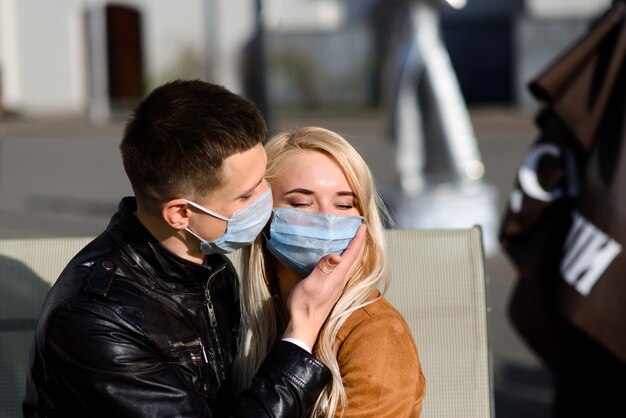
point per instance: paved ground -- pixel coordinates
(64, 177)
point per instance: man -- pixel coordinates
(144, 321)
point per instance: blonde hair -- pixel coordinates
(263, 323)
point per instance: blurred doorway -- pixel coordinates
(124, 55)
(115, 59)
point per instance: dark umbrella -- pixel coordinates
(565, 227)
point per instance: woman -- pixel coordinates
(322, 191)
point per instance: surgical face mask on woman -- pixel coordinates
(243, 226)
(300, 238)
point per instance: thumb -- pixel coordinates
(328, 263)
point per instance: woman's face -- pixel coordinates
(312, 181)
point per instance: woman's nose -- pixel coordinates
(326, 209)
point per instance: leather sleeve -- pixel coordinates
(112, 370)
(381, 371)
(287, 384)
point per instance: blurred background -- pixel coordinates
(71, 70)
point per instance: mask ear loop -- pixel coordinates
(208, 211)
(194, 234)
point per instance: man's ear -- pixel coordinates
(175, 212)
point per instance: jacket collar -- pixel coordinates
(155, 259)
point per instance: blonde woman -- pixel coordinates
(323, 191)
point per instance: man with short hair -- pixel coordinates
(144, 321)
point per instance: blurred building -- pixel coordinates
(78, 56)
(496, 46)
(548, 28)
(94, 56)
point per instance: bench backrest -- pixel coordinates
(438, 283)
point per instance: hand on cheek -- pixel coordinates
(312, 299)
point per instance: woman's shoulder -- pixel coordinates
(379, 363)
(379, 315)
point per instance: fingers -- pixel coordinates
(312, 299)
(347, 262)
(328, 263)
(357, 243)
(356, 260)
(351, 257)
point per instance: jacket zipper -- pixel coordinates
(208, 303)
(192, 344)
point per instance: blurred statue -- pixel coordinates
(434, 138)
(437, 161)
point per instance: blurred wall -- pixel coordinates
(498, 46)
(42, 55)
(548, 28)
(481, 42)
(566, 8)
(318, 52)
(52, 55)
(313, 68)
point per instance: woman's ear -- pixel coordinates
(175, 212)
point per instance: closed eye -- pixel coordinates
(299, 204)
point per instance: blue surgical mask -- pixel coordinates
(299, 238)
(243, 226)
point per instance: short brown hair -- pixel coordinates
(179, 135)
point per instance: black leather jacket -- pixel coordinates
(132, 330)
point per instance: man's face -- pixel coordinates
(242, 182)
